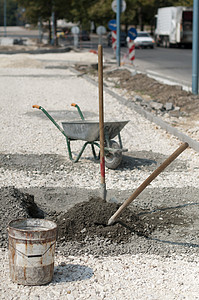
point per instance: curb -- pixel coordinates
(149, 116)
(38, 51)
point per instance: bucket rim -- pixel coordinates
(11, 223)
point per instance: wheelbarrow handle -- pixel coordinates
(79, 110)
(36, 106)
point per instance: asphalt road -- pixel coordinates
(173, 64)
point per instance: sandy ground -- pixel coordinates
(34, 160)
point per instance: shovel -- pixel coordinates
(147, 182)
(101, 121)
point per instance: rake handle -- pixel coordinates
(148, 181)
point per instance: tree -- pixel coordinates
(36, 10)
(11, 15)
(101, 12)
(137, 13)
(188, 3)
(80, 12)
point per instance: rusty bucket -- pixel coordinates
(31, 250)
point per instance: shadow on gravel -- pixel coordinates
(148, 160)
(169, 208)
(184, 244)
(130, 162)
(71, 272)
(44, 163)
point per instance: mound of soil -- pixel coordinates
(84, 226)
(90, 218)
(143, 85)
(15, 205)
(85, 219)
(162, 93)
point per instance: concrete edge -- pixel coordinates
(38, 51)
(149, 116)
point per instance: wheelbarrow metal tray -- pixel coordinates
(89, 130)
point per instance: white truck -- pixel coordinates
(174, 26)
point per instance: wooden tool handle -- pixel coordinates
(101, 113)
(148, 181)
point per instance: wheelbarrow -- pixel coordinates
(89, 132)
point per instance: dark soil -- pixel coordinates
(90, 219)
(87, 221)
(143, 85)
(15, 205)
(161, 93)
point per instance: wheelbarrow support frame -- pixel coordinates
(69, 140)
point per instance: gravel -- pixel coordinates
(35, 170)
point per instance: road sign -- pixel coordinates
(101, 30)
(114, 40)
(114, 6)
(131, 46)
(112, 25)
(132, 33)
(75, 30)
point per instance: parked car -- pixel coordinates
(144, 40)
(60, 34)
(84, 35)
(123, 41)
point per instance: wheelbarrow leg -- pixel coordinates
(97, 157)
(120, 140)
(80, 153)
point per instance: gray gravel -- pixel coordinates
(34, 159)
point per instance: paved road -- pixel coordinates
(174, 64)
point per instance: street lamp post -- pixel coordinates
(195, 48)
(53, 29)
(5, 33)
(118, 31)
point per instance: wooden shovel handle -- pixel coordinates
(148, 181)
(101, 113)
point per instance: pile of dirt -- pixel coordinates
(148, 88)
(90, 218)
(86, 221)
(15, 205)
(162, 93)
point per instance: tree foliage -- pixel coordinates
(137, 13)
(11, 12)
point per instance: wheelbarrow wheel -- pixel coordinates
(113, 160)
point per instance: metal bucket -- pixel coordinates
(31, 250)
